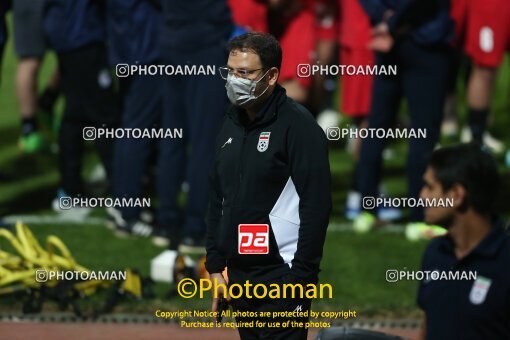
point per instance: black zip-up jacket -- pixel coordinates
(284, 182)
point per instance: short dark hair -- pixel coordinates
(264, 45)
(471, 166)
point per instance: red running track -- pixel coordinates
(99, 331)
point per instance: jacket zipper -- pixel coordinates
(241, 163)
(241, 160)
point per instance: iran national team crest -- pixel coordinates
(263, 141)
(479, 290)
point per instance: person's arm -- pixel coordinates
(399, 21)
(215, 261)
(309, 168)
(409, 13)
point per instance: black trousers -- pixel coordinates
(90, 102)
(267, 304)
(422, 79)
(141, 108)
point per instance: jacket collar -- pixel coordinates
(267, 113)
(488, 246)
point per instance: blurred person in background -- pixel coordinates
(476, 242)
(30, 46)
(450, 124)
(355, 35)
(487, 40)
(326, 48)
(133, 35)
(193, 33)
(76, 31)
(292, 22)
(356, 91)
(415, 36)
(461, 66)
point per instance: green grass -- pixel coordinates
(354, 265)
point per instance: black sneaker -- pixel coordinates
(192, 245)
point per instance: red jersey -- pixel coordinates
(251, 14)
(354, 24)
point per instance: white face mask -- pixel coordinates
(241, 92)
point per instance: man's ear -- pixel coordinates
(459, 195)
(273, 75)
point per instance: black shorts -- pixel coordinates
(87, 86)
(272, 305)
(29, 41)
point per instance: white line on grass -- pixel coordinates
(67, 219)
(62, 219)
(347, 226)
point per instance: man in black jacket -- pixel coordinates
(270, 186)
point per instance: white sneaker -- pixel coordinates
(416, 231)
(449, 128)
(62, 204)
(114, 218)
(494, 144)
(328, 118)
(98, 174)
(72, 213)
(141, 229)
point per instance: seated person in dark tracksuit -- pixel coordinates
(465, 307)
